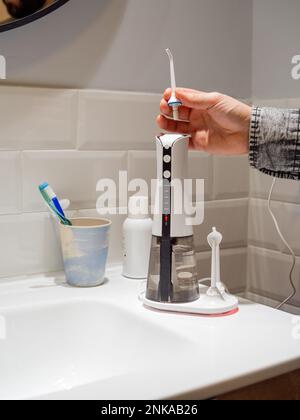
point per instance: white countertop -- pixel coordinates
(213, 355)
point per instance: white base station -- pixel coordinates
(206, 305)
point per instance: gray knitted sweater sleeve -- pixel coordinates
(275, 142)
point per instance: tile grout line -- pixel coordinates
(78, 121)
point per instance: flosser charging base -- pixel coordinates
(213, 300)
(205, 305)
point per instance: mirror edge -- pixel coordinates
(31, 18)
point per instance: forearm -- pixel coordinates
(275, 142)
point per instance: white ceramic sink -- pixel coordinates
(57, 347)
(58, 342)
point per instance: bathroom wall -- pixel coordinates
(276, 35)
(275, 41)
(119, 45)
(72, 136)
(71, 139)
(269, 261)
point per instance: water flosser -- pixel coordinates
(172, 278)
(173, 273)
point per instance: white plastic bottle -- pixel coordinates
(137, 237)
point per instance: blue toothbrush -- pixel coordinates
(52, 201)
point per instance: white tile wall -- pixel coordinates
(268, 274)
(231, 177)
(10, 235)
(29, 244)
(72, 139)
(10, 183)
(71, 143)
(201, 167)
(262, 232)
(233, 267)
(73, 174)
(142, 165)
(291, 226)
(230, 217)
(269, 262)
(114, 121)
(37, 118)
(285, 190)
(277, 103)
(262, 300)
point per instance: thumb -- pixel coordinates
(195, 99)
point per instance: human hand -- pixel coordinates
(218, 124)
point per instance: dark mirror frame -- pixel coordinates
(31, 18)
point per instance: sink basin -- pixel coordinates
(58, 342)
(57, 347)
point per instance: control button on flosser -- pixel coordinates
(167, 159)
(167, 174)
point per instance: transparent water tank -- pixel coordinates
(183, 278)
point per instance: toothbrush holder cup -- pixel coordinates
(85, 250)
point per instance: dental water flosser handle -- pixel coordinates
(170, 202)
